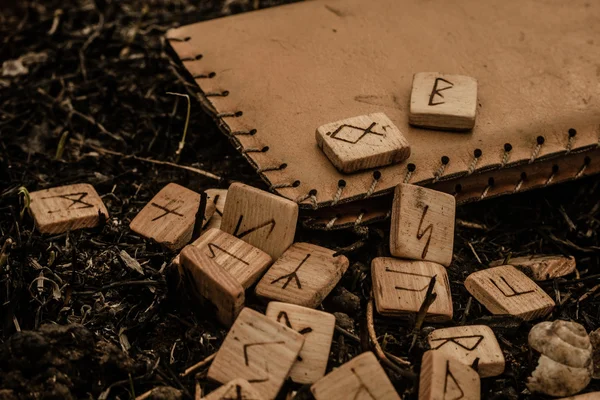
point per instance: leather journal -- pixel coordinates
(270, 78)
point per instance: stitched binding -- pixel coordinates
(506, 155)
(285, 185)
(536, 150)
(376, 177)
(551, 177)
(255, 150)
(457, 189)
(410, 168)
(235, 114)
(476, 154)
(251, 132)
(586, 162)
(224, 93)
(267, 169)
(313, 198)
(438, 174)
(487, 188)
(520, 183)
(210, 75)
(572, 133)
(331, 223)
(338, 194)
(360, 217)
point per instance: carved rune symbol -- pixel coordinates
(74, 198)
(292, 275)
(421, 233)
(514, 292)
(270, 223)
(283, 314)
(387, 269)
(362, 386)
(466, 342)
(236, 393)
(212, 246)
(365, 131)
(436, 91)
(451, 385)
(265, 367)
(166, 210)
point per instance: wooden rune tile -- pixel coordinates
(444, 378)
(506, 290)
(237, 389)
(361, 378)
(170, 216)
(442, 101)
(468, 343)
(262, 219)
(66, 208)
(362, 142)
(317, 328)
(422, 224)
(400, 286)
(259, 350)
(244, 262)
(303, 275)
(541, 267)
(209, 281)
(216, 197)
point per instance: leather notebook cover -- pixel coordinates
(271, 77)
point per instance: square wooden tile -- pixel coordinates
(361, 378)
(262, 219)
(400, 286)
(170, 216)
(210, 281)
(422, 224)
(541, 267)
(303, 275)
(237, 389)
(443, 378)
(259, 350)
(442, 101)
(216, 197)
(66, 208)
(506, 290)
(244, 262)
(362, 142)
(467, 343)
(317, 328)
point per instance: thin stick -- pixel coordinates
(198, 365)
(149, 160)
(187, 122)
(371, 329)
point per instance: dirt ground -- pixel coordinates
(85, 100)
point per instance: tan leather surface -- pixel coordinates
(288, 70)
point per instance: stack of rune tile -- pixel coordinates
(248, 242)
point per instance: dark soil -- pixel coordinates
(76, 322)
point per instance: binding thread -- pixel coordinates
(520, 183)
(438, 174)
(410, 168)
(338, 193)
(536, 150)
(376, 177)
(476, 154)
(572, 133)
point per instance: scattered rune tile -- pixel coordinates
(443, 377)
(170, 216)
(362, 142)
(541, 267)
(216, 197)
(244, 262)
(262, 219)
(506, 290)
(66, 208)
(317, 328)
(303, 275)
(259, 350)
(400, 286)
(360, 378)
(442, 101)
(237, 389)
(469, 343)
(422, 224)
(208, 280)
